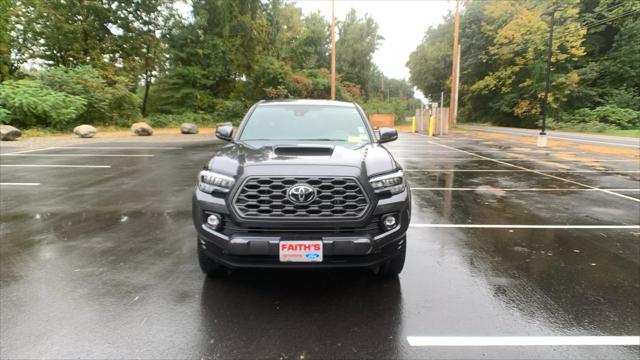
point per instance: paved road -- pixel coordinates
(607, 140)
(98, 261)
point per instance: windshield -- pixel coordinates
(306, 123)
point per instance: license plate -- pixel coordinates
(301, 251)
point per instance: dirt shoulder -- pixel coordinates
(159, 135)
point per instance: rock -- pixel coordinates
(8, 132)
(142, 129)
(188, 128)
(85, 131)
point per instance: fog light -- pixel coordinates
(390, 221)
(213, 220)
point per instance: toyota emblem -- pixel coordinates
(301, 194)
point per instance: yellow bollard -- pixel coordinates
(431, 126)
(413, 124)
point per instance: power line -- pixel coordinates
(607, 9)
(603, 21)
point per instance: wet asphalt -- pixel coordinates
(101, 262)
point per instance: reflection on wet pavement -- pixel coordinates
(101, 264)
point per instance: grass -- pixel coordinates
(614, 132)
(39, 132)
(628, 133)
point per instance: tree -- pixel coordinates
(142, 50)
(199, 70)
(312, 48)
(622, 67)
(68, 33)
(430, 63)
(357, 40)
(285, 27)
(5, 53)
(520, 31)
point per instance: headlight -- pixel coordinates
(390, 183)
(209, 182)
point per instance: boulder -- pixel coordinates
(85, 131)
(188, 128)
(8, 132)
(142, 129)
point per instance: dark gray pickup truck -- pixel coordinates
(303, 184)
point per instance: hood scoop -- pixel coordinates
(303, 150)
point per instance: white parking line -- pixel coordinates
(523, 340)
(19, 184)
(55, 166)
(28, 151)
(82, 155)
(518, 189)
(523, 226)
(120, 147)
(542, 172)
(412, 149)
(529, 159)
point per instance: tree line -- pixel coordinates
(595, 63)
(111, 62)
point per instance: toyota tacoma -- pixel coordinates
(302, 184)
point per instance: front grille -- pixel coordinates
(266, 197)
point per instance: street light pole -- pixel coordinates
(453, 99)
(542, 137)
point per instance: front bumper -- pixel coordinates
(239, 245)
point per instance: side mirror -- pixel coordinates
(387, 135)
(224, 132)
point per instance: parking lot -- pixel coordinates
(513, 252)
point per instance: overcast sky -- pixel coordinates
(402, 24)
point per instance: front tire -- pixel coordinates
(209, 266)
(393, 267)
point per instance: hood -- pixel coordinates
(294, 158)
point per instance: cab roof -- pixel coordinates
(309, 102)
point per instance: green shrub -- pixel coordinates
(230, 110)
(31, 103)
(106, 103)
(5, 115)
(609, 115)
(123, 106)
(270, 78)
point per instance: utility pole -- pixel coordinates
(333, 49)
(441, 115)
(542, 137)
(453, 99)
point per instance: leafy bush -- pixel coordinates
(106, 102)
(230, 110)
(123, 107)
(300, 86)
(609, 115)
(5, 115)
(269, 74)
(31, 103)
(580, 127)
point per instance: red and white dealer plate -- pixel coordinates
(300, 251)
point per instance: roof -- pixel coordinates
(316, 102)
